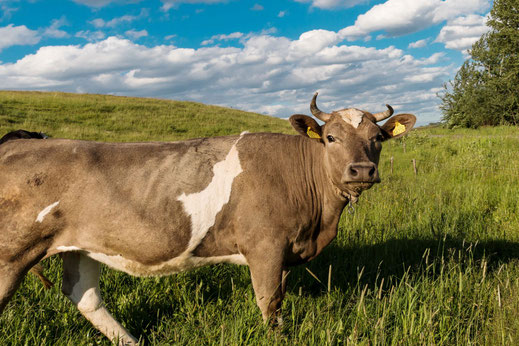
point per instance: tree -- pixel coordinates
(485, 90)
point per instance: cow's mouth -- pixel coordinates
(351, 191)
(359, 186)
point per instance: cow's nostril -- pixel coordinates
(353, 172)
(372, 171)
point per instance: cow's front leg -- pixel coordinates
(266, 272)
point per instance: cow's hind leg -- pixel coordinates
(10, 278)
(81, 286)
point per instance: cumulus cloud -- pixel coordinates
(11, 35)
(418, 44)
(281, 14)
(399, 17)
(270, 74)
(433, 59)
(331, 4)
(460, 33)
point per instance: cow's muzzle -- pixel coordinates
(361, 172)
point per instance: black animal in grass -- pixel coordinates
(22, 134)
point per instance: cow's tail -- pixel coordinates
(38, 271)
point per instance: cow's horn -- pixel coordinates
(317, 112)
(384, 115)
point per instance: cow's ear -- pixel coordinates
(306, 126)
(398, 125)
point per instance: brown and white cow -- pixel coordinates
(265, 200)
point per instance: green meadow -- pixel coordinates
(425, 258)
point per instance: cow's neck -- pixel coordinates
(326, 203)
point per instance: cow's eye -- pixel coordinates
(378, 138)
(330, 138)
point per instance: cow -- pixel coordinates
(22, 134)
(265, 200)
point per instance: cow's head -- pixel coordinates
(352, 142)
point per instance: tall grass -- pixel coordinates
(425, 259)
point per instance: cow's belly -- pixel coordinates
(185, 261)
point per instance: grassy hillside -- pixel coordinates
(425, 259)
(125, 119)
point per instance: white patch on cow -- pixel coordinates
(178, 264)
(203, 206)
(352, 116)
(67, 248)
(45, 211)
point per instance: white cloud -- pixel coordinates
(54, 29)
(101, 23)
(281, 14)
(17, 36)
(399, 17)
(98, 23)
(268, 74)
(102, 3)
(11, 35)
(452, 8)
(6, 10)
(268, 31)
(257, 7)
(460, 33)
(331, 4)
(134, 34)
(222, 37)
(90, 35)
(433, 59)
(169, 4)
(418, 44)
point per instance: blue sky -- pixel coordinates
(263, 56)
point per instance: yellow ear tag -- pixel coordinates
(399, 128)
(312, 134)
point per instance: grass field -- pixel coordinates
(425, 259)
